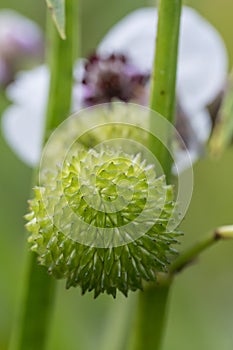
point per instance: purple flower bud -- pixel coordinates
(21, 41)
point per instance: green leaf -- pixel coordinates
(223, 132)
(57, 9)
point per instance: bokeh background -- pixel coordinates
(201, 305)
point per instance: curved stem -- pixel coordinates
(39, 293)
(187, 257)
(152, 303)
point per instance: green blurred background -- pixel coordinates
(201, 309)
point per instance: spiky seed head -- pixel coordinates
(100, 222)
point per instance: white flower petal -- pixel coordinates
(201, 124)
(200, 127)
(134, 36)
(23, 122)
(183, 161)
(77, 96)
(202, 64)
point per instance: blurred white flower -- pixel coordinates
(202, 69)
(20, 41)
(23, 122)
(202, 63)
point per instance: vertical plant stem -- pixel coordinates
(61, 58)
(33, 325)
(39, 293)
(163, 83)
(151, 318)
(152, 303)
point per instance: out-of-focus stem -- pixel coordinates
(61, 59)
(39, 293)
(187, 257)
(152, 302)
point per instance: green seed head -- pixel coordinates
(100, 222)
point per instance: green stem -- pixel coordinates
(222, 233)
(152, 303)
(118, 325)
(61, 60)
(36, 309)
(37, 303)
(151, 318)
(163, 83)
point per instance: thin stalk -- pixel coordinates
(191, 254)
(39, 294)
(152, 302)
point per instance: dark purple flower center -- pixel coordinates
(111, 77)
